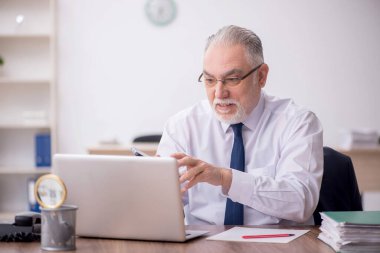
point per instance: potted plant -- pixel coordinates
(1, 64)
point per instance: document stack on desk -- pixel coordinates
(351, 231)
(359, 139)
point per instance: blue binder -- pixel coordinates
(43, 150)
(33, 204)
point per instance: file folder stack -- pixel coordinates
(360, 139)
(351, 231)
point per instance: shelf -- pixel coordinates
(25, 17)
(25, 106)
(10, 80)
(27, 94)
(26, 58)
(24, 126)
(24, 36)
(24, 171)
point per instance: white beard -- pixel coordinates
(239, 116)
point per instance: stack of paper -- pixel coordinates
(353, 231)
(359, 138)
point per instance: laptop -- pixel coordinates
(124, 197)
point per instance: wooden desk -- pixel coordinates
(304, 244)
(148, 148)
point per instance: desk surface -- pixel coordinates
(306, 243)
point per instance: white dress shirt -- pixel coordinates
(283, 162)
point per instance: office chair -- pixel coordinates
(339, 189)
(148, 138)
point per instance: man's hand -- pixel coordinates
(200, 171)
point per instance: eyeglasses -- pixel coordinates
(230, 81)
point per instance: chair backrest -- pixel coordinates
(339, 189)
(148, 138)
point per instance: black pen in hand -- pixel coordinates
(137, 152)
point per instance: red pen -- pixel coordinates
(266, 236)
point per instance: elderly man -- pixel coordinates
(250, 158)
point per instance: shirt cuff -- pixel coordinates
(241, 182)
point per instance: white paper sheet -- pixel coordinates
(235, 234)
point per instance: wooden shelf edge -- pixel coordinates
(24, 126)
(11, 80)
(30, 171)
(25, 36)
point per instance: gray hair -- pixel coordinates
(235, 35)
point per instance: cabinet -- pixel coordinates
(27, 94)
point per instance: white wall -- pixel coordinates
(120, 76)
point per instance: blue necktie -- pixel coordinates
(235, 211)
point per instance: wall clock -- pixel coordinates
(161, 12)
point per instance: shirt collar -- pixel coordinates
(253, 118)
